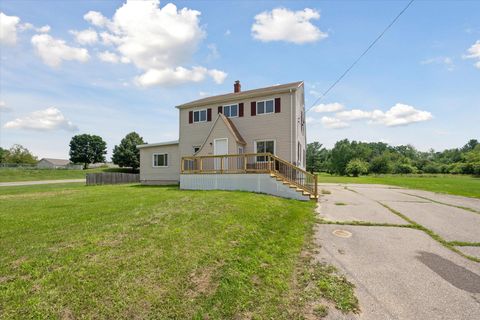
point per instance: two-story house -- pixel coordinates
(233, 133)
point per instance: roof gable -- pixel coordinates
(222, 120)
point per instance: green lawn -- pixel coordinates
(461, 185)
(27, 174)
(130, 251)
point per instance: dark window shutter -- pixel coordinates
(209, 114)
(277, 105)
(190, 117)
(240, 109)
(220, 109)
(253, 108)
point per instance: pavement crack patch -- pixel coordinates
(432, 234)
(444, 203)
(365, 224)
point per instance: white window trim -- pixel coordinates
(153, 160)
(265, 107)
(228, 105)
(262, 140)
(199, 121)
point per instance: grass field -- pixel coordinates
(127, 251)
(27, 174)
(461, 185)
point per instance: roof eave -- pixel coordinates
(241, 95)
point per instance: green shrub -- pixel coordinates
(356, 167)
(404, 168)
(381, 164)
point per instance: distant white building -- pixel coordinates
(49, 163)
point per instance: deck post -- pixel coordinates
(221, 164)
(201, 165)
(316, 185)
(182, 165)
(245, 164)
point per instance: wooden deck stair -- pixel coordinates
(278, 177)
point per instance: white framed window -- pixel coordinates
(264, 146)
(200, 116)
(231, 111)
(160, 160)
(196, 149)
(266, 106)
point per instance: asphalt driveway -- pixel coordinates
(401, 272)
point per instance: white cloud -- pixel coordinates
(400, 115)
(333, 123)
(157, 40)
(96, 18)
(29, 26)
(53, 51)
(177, 76)
(474, 53)
(85, 37)
(328, 107)
(43, 29)
(446, 61)
(8, 29)
(42, 120)
(281, 24)
(354, 114)
(228, 32)
(214, 54)
(4, 107)
(107, 56)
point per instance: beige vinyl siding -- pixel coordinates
(219, 131)
(168, 174)
(273, 126)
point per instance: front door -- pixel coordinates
(220, 147)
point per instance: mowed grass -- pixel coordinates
(461, 185)
(28, 174)
(129, 251)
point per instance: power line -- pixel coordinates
(360, 57)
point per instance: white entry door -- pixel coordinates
(220, 146)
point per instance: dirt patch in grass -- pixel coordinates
(318, 287)
(37, 195)
(202, 282)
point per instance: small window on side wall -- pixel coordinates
(264, 107)
(196, 149)
(230, 111)
(160, 160)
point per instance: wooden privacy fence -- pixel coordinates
(112, 178)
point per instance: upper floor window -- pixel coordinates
(265, 106)
(200, 116)
(231, 111)
(160, 160)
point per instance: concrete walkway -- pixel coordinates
(31, 183)
(402, 273)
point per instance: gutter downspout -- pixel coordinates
(291, 126)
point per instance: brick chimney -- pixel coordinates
(237, 87)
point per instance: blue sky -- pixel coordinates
(420, 84)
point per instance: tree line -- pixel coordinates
(85, 149)
(359, 158)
